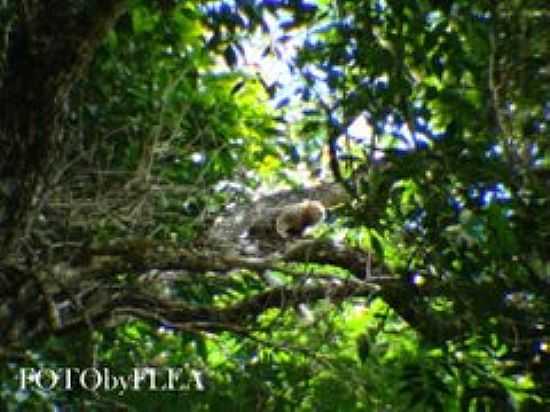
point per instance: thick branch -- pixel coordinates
(101, 295)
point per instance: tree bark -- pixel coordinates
(50, 46)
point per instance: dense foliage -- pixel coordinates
(433, 115)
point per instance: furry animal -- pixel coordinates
(294, 219)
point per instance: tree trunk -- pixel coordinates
(50, 46)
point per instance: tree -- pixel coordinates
(127, 208)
